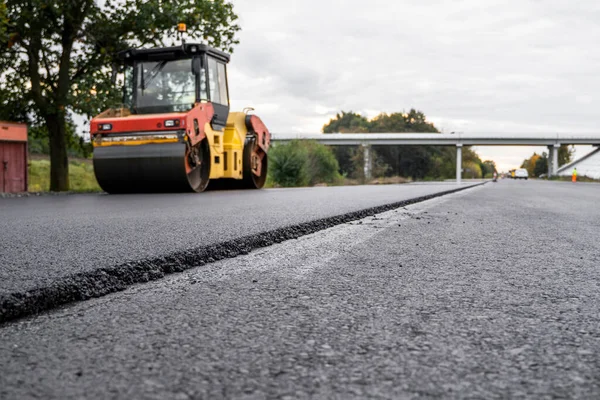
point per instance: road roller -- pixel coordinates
(174, 131)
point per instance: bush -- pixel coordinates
(38, 145)
(302, 163)
(471, 170)
(288, 165)
(322, 165)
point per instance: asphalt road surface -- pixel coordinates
(56, 249)
(491, 292)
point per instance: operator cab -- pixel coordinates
(174, 79)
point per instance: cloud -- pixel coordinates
(474, 66)
(462, 60)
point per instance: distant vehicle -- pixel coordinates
(521, 173)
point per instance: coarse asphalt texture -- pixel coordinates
(56, 250)
(492, 292)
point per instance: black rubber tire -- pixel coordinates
(199, 178)
(251, 181)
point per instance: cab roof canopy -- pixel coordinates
(186, 50)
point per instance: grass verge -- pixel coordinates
(81, 176)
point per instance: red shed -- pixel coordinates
(13, 157)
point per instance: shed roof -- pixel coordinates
(13, 131)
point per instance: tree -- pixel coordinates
(488, 167)
(541, 165)
(471, 163)
(472, 170)
(565, 154)
(76, 146)
(3, 21)
(538, 164)
(530, 163)
(57, 57)
(415, 161)
(347, 122)
(413, 121)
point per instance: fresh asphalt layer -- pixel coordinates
(58, 249)
(492, 292)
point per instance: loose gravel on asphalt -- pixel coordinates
(488, 293)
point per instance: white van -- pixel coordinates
(521, 174)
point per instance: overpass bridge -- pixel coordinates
(551, 140)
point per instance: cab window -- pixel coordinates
(223, 83)
(217, 82)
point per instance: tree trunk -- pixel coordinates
(59, 161)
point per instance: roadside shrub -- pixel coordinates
(302, 163)
(322, 165)
(471, 170)
(287, 165)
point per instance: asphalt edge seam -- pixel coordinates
(102, 281)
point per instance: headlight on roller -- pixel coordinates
(171, 123)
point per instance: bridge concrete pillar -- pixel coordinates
(458, 163)
(549, 172)
(555, 159)
(368, 163)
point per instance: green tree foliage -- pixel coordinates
(541, 165)
(471, 164)
(302, 163)
(57, 57)
(357, 162)
(413, 121)
(350, 122)
(347, 122)
(3, 22)
(488, 167)
(471, 170)
(565, 154)
(322, 166)
(417, 162)
(350, 160)
(347, 156)
(538, 164)
(530, 163)
(76, 145)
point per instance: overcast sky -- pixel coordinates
(470, 66)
